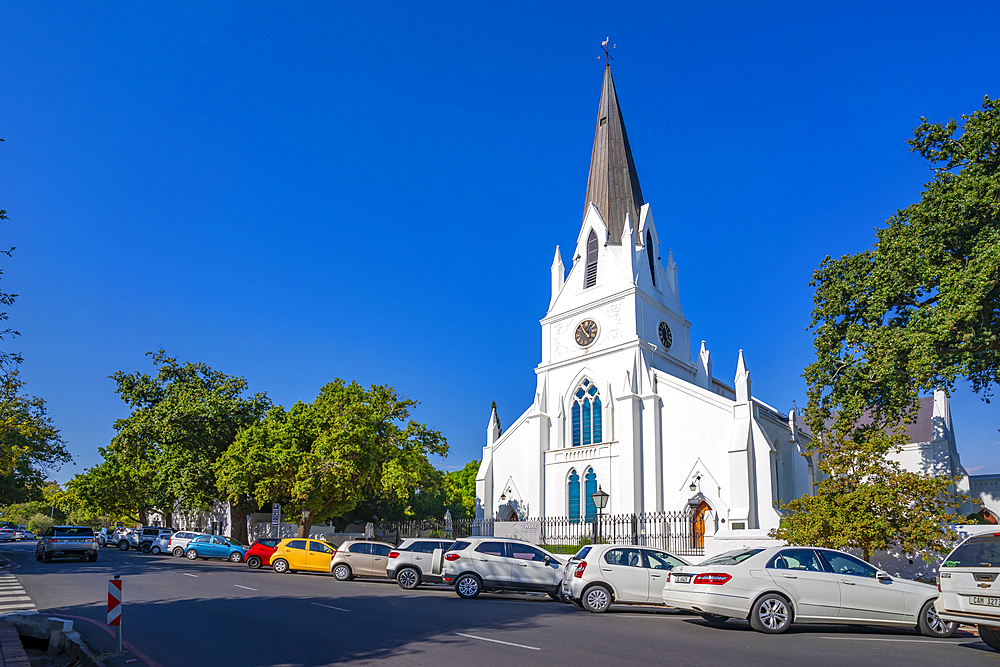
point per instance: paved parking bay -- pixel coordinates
(178, 611)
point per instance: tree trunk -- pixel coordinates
(168, 520)
(238, 513)
(867, 555)
(305, 523)
(143, 516)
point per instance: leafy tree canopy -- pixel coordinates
(349, 446)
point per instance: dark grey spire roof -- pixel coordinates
(613, 185)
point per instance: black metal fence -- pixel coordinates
(681, 533)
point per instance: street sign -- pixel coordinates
(275, 514)
(115, 601)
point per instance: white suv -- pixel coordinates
(416, 561)
(602, 574)
(477, 564)
(969, 587)
(179, 541)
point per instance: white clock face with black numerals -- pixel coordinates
(666, 338)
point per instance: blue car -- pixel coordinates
(215, 546)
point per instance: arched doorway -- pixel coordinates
(698, 525)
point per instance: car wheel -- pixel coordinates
(468, 586)
(280, 566)
(408, 578)
(254, 562)
(145, 547)
(92, 559)
(596, 599)
(46, 557)
(342, 572)
(990, 636)
(178, 551)
(155, 550)
(930, 624)
(715, 620)
(192, 554)
(236, 557)
(38, 556)
(771, 614)
(123, 545)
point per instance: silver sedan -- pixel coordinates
(773, 588)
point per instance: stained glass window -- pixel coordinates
(591, 478)
(574, 496)
(586, 415)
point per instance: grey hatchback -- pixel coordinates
(67, 542)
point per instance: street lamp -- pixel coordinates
(600, 502)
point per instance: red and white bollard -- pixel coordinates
(115, 607)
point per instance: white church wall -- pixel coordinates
(510, 469)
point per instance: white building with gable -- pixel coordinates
(620, 403)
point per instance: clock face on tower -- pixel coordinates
(586, 333)
(666, 337)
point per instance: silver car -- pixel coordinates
(775, 587)
(477, 564)
(67, 542)
(602, 574)
(970, 591)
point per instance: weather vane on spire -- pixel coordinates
(607, 51)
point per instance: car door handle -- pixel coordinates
(606, 569)
(789, 576)
(845, 581)
(485, 560)
(523, 564)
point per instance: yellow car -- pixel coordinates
(296, 553)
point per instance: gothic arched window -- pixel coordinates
(590, 277)
(649, 255)
(574, 496)
(591, 489)
(586, 414)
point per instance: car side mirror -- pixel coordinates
(882, 576)
(547, 560)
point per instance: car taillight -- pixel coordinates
(668, 577)
(580, 568)
(939, 582)
(714, 578)
(393, 554)
(52, 541)
(451, 557)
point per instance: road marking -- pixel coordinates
(497, 641)
(189, 575)
(4, 608)
(886, 639)
(17, 598)
(329, 607)
(246, 587)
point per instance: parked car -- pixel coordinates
(417, 560)
(259, 553)
(969, 590)
(775, 587)
(6, 535)
(150, 535)
(28, 535)
(161, 545)
(179, 541)
(360, 558)
(18, 534)
(296, 554)
(478, 564)
(125, 538)
(603, 574)
(215, 546)
(67, 542)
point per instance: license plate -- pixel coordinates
(985, 601)
(682, 578)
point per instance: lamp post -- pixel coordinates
(600, 502)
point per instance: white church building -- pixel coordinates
(620, 404)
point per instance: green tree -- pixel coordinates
(30, 445)
(325, 458)
(461, 488)
(915, 313)
(182, 420)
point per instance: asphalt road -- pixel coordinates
(178, 612)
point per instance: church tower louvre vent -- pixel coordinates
(613, 184)
(590, 276)
(649, 256)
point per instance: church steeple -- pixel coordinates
(613, 185)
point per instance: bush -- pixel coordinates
(39, 523)
(584, 541)
(437, 533)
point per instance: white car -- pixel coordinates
(477, 564)
(773, 588)
(416, 561)
(6, 535)
(179, 541)
(603, 574)
(970, 592)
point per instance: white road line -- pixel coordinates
(13, 607)
(886, 639)
(329, 607)
(15, 598)
(246, 587)
(497, 641)
(189, 575)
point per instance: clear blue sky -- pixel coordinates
(374, 191)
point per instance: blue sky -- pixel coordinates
(295, 193)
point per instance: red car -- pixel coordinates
(260, 552)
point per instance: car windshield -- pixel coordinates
(235, 542)
(982, 551)
(731, 557)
